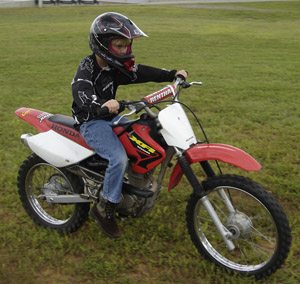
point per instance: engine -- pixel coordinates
(140, 181)
(133, 204)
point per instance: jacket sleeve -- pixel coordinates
(83, 91)
(146, 73)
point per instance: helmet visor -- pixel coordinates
(119, 25)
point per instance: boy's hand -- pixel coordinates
(182, 72)
(112, 105)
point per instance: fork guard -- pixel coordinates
(221, 152)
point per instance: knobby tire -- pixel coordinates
(258, 194)
(34, 206)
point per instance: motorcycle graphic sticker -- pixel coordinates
(146, 156)
(145, 152)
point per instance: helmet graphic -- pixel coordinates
(107, 27)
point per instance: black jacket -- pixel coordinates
(92, 86)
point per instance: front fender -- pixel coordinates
(221, 152)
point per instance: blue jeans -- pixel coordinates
(98, 134)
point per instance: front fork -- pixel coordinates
(210, 172)
(199, 191)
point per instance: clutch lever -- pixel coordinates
(187, 85)
(196, 83)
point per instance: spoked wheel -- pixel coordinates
(257, 224)
(36, 179)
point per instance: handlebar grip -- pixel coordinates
(102, 111)
(179, 76)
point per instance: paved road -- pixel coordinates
(210, 1)
(22, 3)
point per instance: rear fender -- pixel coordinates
(221, 152)
(36, 118)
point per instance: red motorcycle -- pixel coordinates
(233, 221)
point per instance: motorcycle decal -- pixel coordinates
(26, 112)
(43, 115)
(70, 133)
(66, 131)
(161, 94)
(141, 148)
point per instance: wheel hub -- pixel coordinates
(54, 187)
(240, 225)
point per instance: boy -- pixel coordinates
(93, 87)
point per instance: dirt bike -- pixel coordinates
(232, 220)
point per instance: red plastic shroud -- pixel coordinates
(225, 153)
(141, 148)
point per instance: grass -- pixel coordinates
(249, 62)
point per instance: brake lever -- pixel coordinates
(133, 110)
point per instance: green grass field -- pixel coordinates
(249, 62)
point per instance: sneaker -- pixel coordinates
(104, 214)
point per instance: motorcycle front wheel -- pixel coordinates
(38, 178)
(258, 225)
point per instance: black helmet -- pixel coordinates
(107, 27)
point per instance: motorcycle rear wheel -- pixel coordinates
(261, 232)
(37, 177)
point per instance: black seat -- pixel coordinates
(63, 120)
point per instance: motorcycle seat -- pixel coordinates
(63, 120)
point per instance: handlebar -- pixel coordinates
(144, 104)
